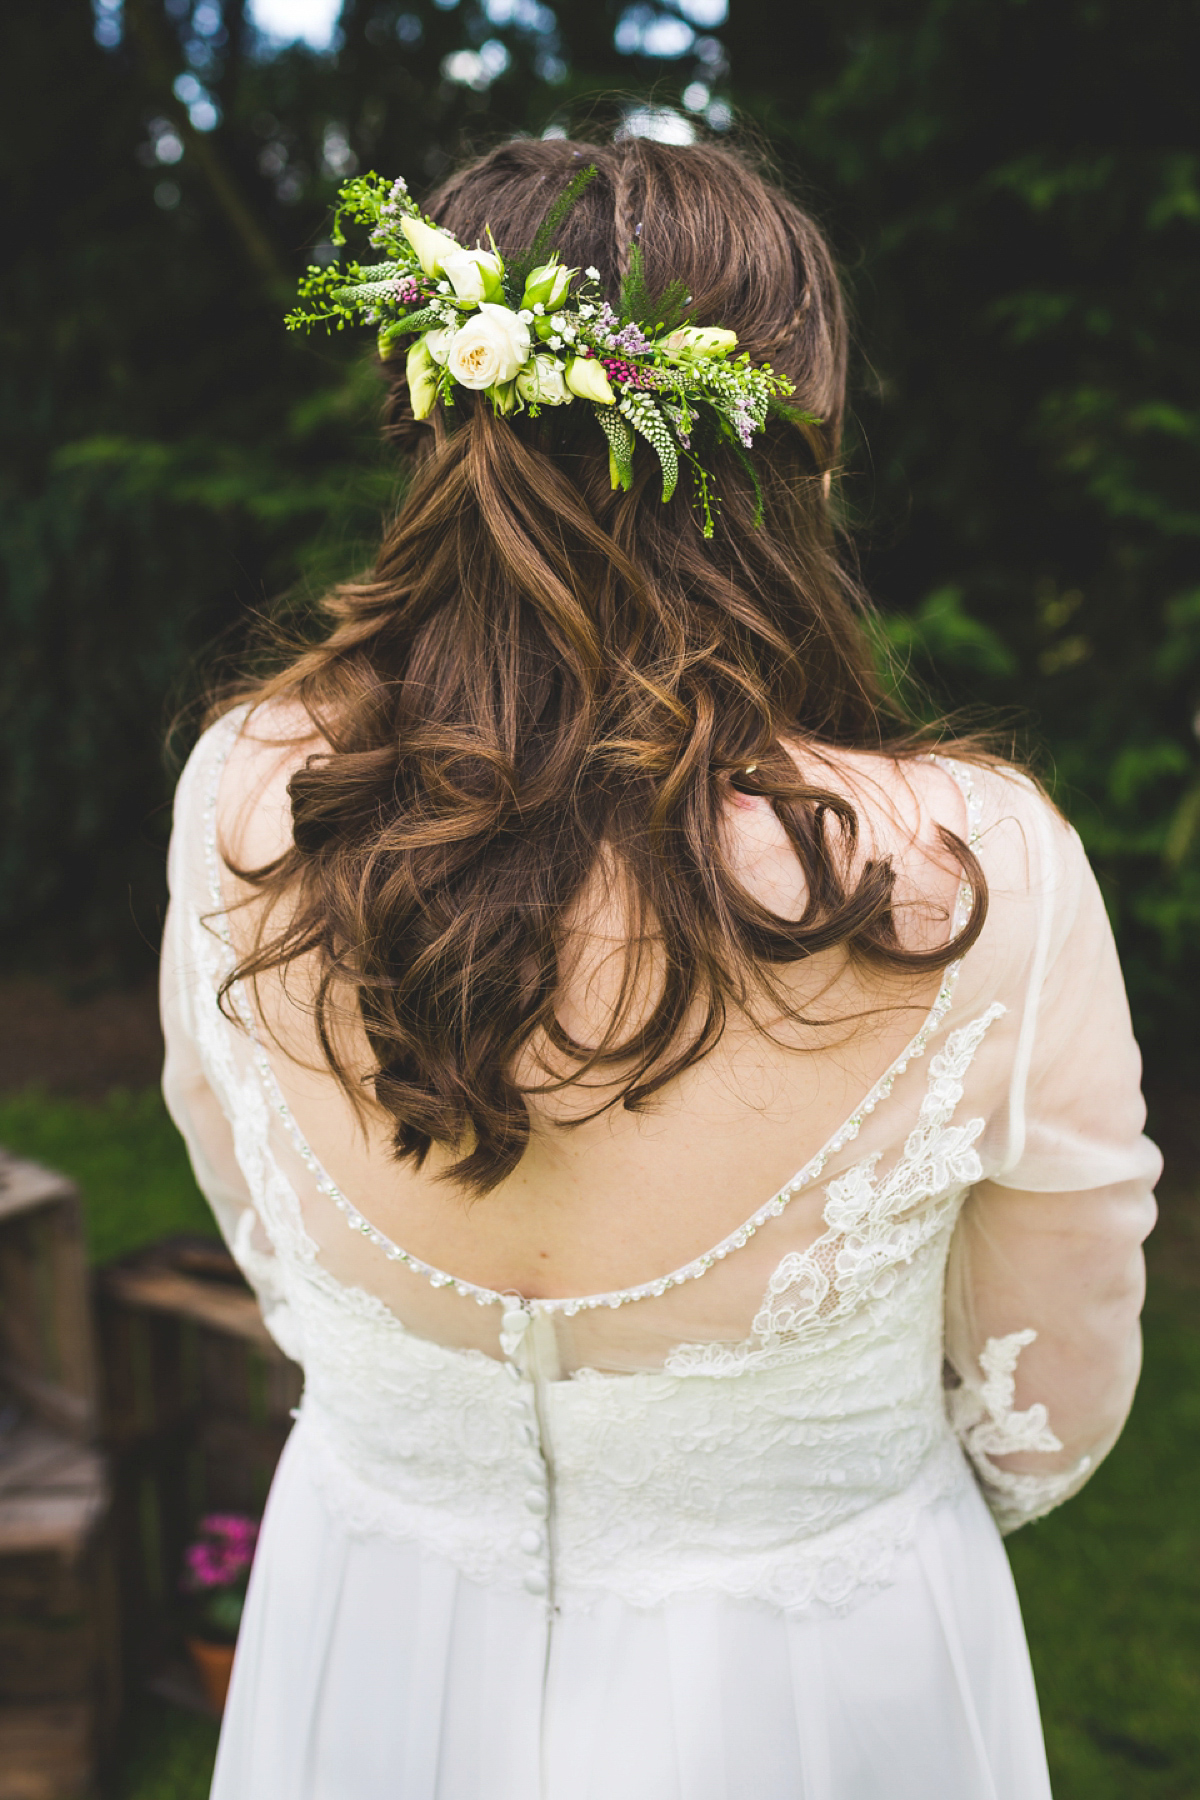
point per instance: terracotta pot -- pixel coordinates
(213, 1663)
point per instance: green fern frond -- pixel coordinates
(518, 266)
(636, 305)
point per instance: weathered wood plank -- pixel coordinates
(32, 1523)
(26, 1185)
(33, 1455)
(220, 1307)
(46, 1751)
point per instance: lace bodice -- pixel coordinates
(637, 1440)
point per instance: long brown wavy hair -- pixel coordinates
(541, 679)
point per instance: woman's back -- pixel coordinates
(614, 1198)
(621, 1200)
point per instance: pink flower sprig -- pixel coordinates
(221, 1556)
(618, 370)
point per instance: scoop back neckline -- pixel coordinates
(226, 732)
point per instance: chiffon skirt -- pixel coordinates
(372, 1670)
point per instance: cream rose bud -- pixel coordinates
(702, 341)
(438, 342)
(504, 396)
(586, 377)
(474, 275)
(547, 286)
(422, 374)
(432, 247)
(489, 348)
(541, 382)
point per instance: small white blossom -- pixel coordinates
(538, 308)
(443, 287)
(525, 316)
(555, 342)
(592, 275)
(587, 312)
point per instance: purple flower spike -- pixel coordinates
(632, 340)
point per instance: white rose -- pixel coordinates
(473, 274)
(490, 347)
(541, 381)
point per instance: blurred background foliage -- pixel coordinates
(1013, 188)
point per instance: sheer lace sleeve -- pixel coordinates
(1046, 1275)
(195, 1094)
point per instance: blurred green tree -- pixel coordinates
(1015, 190)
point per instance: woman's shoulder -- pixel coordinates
(905, 804)
(1025, 843)
(1033, 863)
(238, 774)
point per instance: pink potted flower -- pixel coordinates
(216, 1571)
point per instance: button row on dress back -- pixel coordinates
(691, 1271)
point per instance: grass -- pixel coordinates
(169, 1755)
(1110, 1584)
(127, 1157)
(1110, 1590)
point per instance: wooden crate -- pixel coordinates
(47, 1347)
(59, 1664)
(196, 1402)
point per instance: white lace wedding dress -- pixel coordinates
(730, 1534)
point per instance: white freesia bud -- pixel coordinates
(541, 382)
(586, 377)
(547, 286)
(474, 275)
(699, 340)
(490, 347)
(422, 375)
(432, 247)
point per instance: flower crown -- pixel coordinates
(533, 333)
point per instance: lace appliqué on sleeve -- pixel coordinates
(989, 1426)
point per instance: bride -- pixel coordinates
(682, 1115)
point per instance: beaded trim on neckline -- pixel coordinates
(226, 736)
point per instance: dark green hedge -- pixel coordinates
(1015, 192)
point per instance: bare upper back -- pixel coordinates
(595, 1205)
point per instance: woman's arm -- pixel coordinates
(202, 1107)
(1046, 1273)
